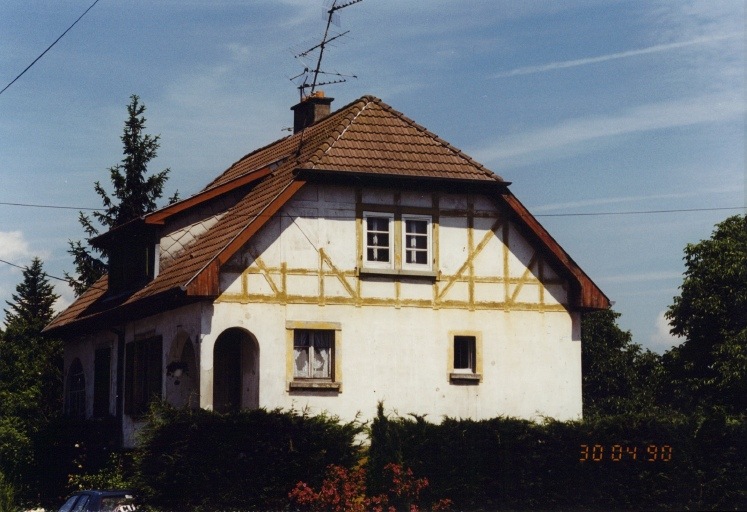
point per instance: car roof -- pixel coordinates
(105, 492)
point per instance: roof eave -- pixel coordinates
(309, 174)
(586, 295)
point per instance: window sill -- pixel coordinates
(465, 377)
(425, 274)
(300, 385)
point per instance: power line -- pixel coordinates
(49, 206)
(639, 212)
(49, 47)
(26, 268)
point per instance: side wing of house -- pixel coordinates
(431, 301)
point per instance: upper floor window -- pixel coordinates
(397, 242)
(379, 241)
(416, 235)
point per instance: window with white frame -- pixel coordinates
(379, 240)
(397, 242)
(416, 234)
(313, 353)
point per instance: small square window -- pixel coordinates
(465, 358)
(313, 352)
(464, 354)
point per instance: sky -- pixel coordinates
(593, 110)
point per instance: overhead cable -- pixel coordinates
(49, 47)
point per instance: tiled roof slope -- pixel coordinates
(365, 136)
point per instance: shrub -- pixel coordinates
(621, 462)
(344, 490)
(200, 460)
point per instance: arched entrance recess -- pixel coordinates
(182, 388)
(235, 371)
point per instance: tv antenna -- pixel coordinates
(332, 17)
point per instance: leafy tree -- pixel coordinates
(30, 371)
(135, 194)
(710, 367)
(619, 377)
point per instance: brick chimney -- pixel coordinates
(310, 110)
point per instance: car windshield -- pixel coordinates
(68, 506)
(118, 504)
(80, 505)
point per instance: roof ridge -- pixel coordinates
(438, 139)
(345, 123)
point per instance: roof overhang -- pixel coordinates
(160, 216)
(119, 313)
(377, 178)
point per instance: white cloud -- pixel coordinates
(604, 201)
(13, 246)
(707, 108)
(552, 66)
(661, 340)
(67, 296)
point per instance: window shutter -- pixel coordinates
(129, 405)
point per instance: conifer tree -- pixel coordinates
(135, 194)
(30, 369)
(33, 302)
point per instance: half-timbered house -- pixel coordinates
(360, 259)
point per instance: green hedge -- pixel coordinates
(249, 460)
(505, 463)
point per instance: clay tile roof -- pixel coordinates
(366, 136)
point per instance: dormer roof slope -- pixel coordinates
(366, 137)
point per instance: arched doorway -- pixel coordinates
(235, 371)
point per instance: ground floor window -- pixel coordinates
(101, 381)
(314, 355)
(465, 357)
(143, 374)
(75, 404)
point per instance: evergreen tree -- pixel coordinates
(135, 194)
(30, 370)
(710, 367)
(33, 302)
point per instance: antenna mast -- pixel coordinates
(332, 17)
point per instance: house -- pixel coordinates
(360, 259)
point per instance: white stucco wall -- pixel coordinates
(531, 361)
